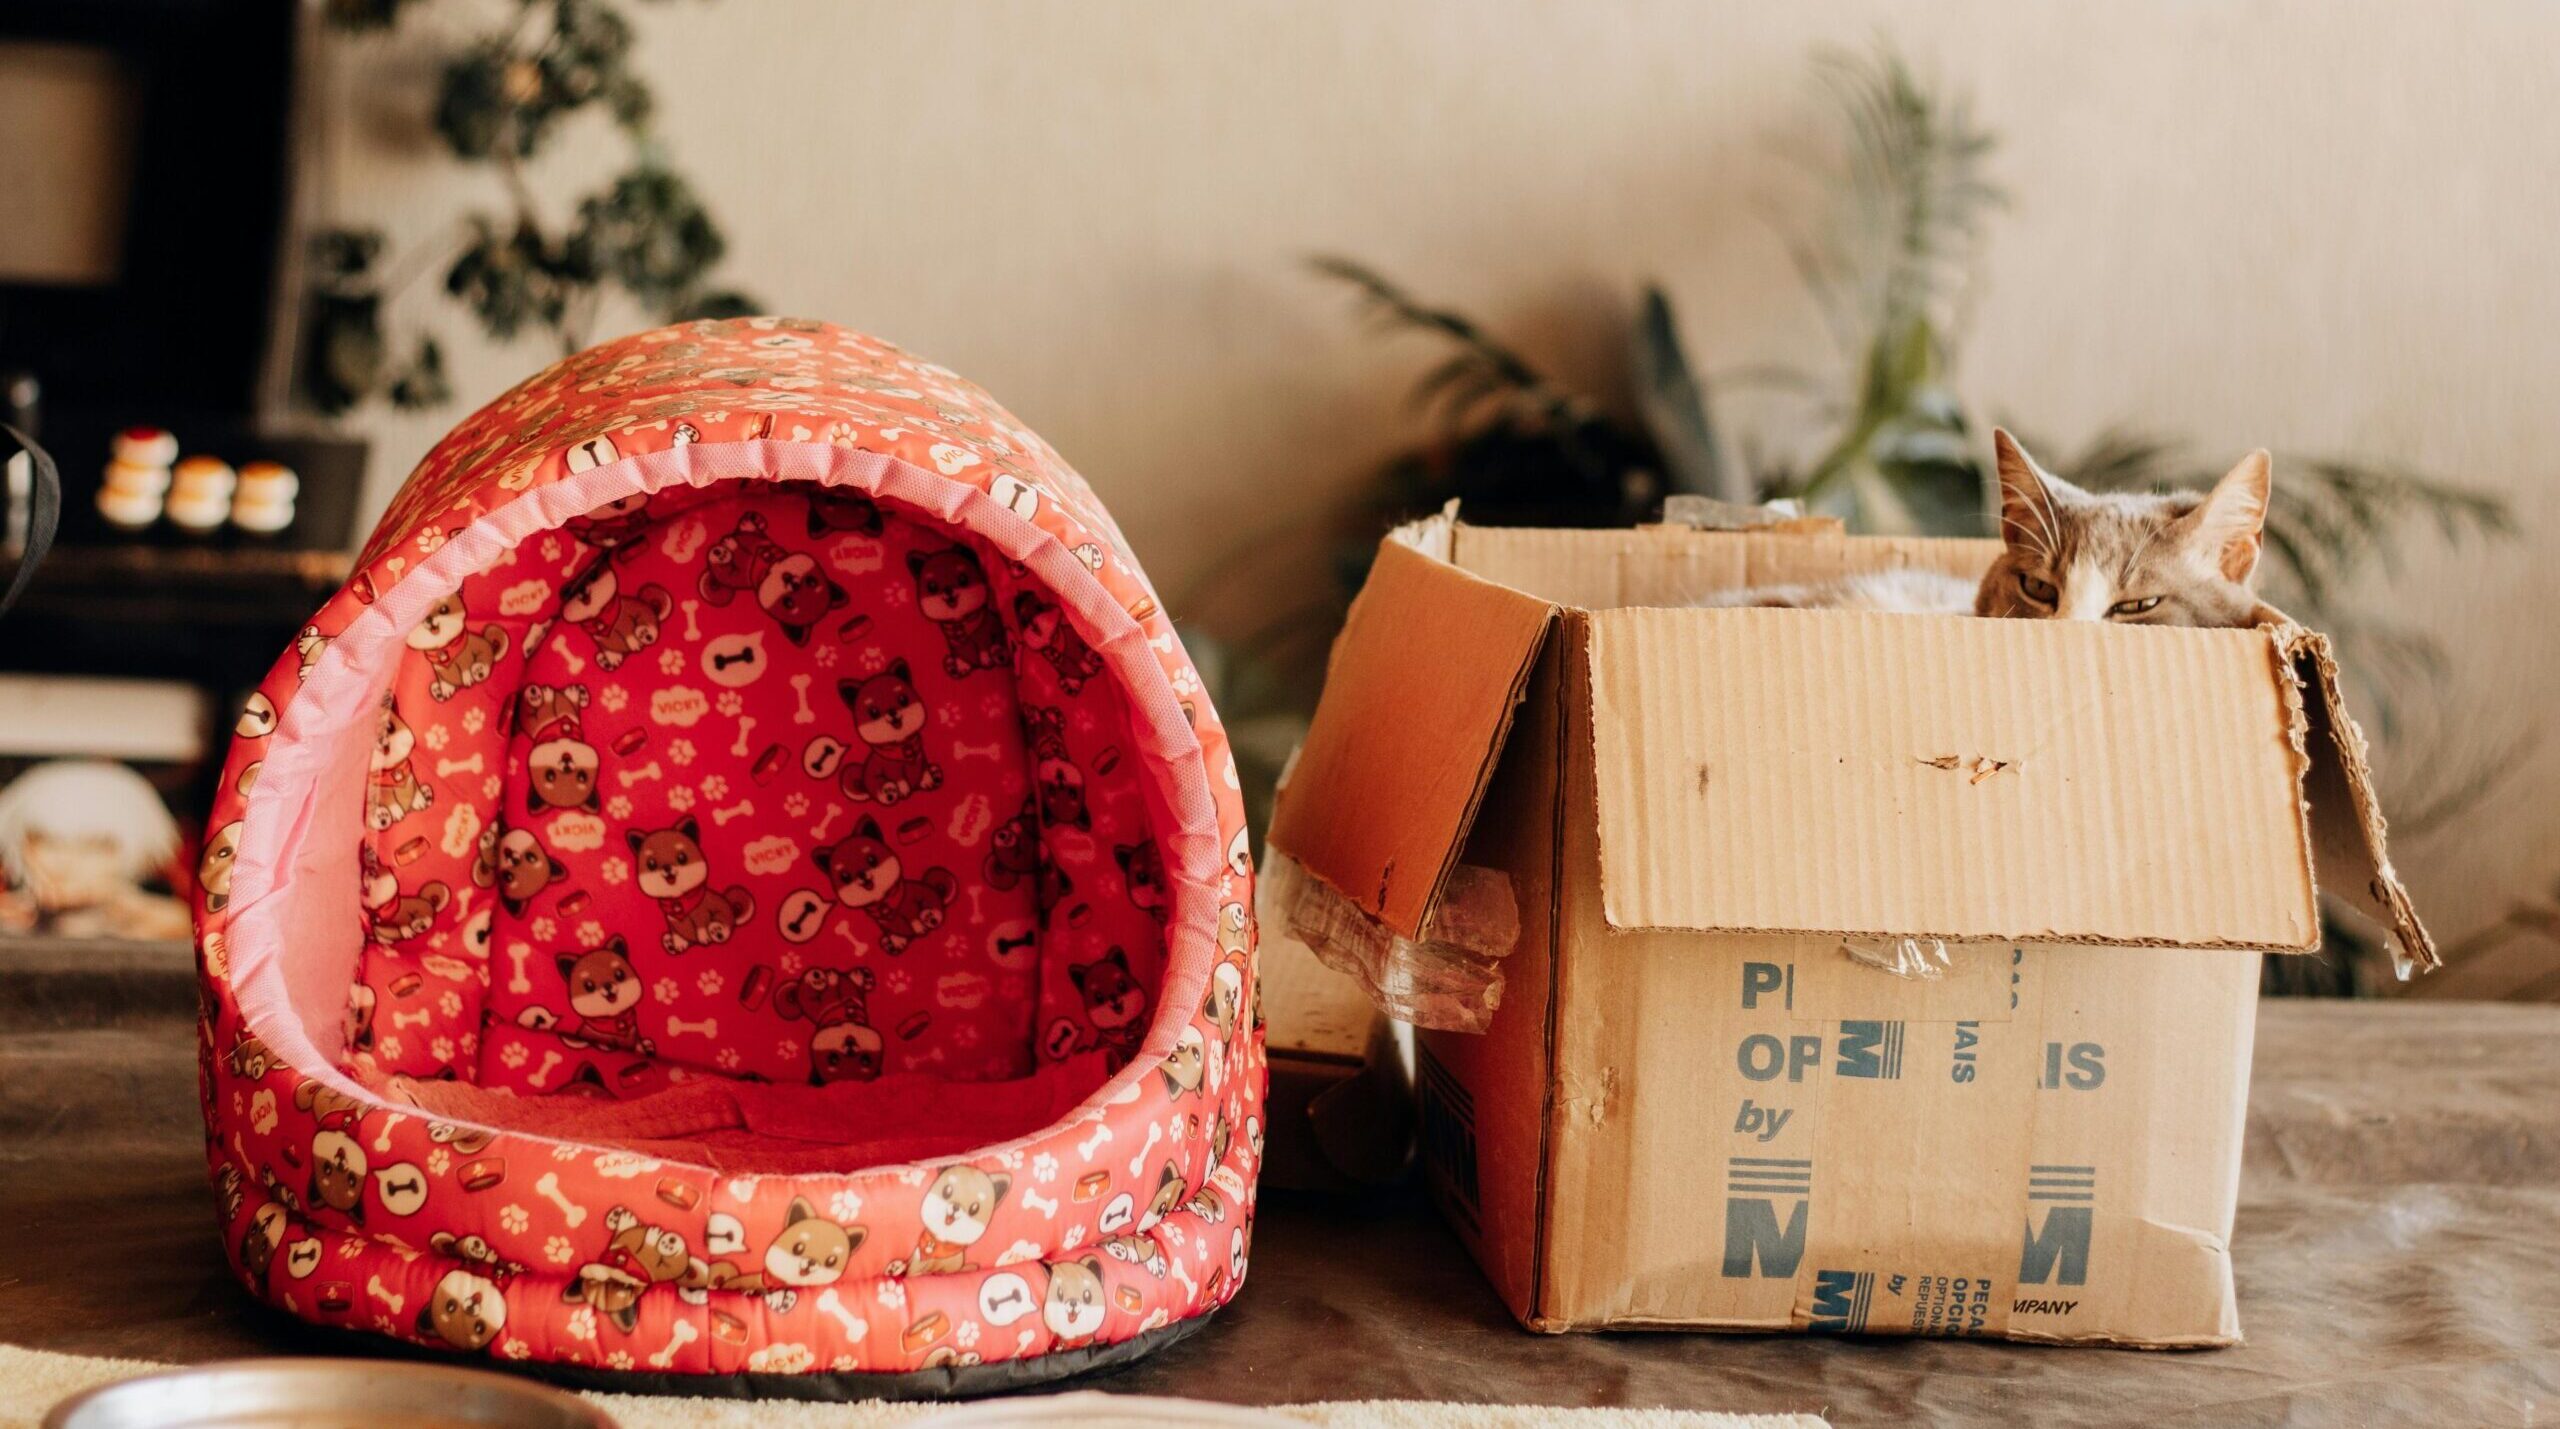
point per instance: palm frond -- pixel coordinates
(1673, 400)
(1480, 369)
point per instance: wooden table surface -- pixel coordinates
(2398, 1249)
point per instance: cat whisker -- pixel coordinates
(2043, 540)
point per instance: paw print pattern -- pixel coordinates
(756, 783)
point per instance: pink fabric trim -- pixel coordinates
(294, 885)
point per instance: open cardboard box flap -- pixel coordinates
(1418, 699)
(1846, 773)
(1876, 774)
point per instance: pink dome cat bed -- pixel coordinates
(742, 882)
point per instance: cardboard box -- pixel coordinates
(1341, 1112)
(1706, 1102)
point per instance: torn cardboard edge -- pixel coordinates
(1425, 680)
(2346, 829)
(1419, 695)
(1340, 1109)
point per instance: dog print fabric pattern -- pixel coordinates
(978, 857)
(678, 802)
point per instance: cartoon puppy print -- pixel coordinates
(394, 791)
(1235, 931)
(514, 862)
(810, 1252)
(562, 766)
(604, 993)
(409, 916)
(1186, 1064)
(951, 590)
(337, 1171)
(355, 1021)
(1016, 852)
(890, 718)
(620, 625)
(869, 879)
(1168, 1198)
(259, 1243)
(476, 1250)
(1142, 868)
(615, 524)
(639, 1255)
(458, 657)
(738, 561)
(465, 1312)
(1057, 784)
(248, 1058)
(1114, 1001)
(787, 584)
(836, 1003)
(1142, 1251)
(308, 647)
(1073, 1309)
(377, 886)
(958, 1207)
(833, 513)
(673, 870)
(1043, 629)
(797, 594)
(213, 869)
(1225, 998)
(1207, 1205)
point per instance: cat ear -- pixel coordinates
(2027, 520)
(2231, 522)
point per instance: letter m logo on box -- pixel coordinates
(1766, 1201)
(1841, 1299)
(2057, 1251)
(1870, 1049)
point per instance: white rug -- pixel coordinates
(32, 1381)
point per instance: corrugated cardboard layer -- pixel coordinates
(1417, 699)
(1888, 775)
(2346, 817)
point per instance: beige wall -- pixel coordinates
(2301, 223)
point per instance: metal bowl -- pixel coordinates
(324, 1394)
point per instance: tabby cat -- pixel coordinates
(2183, 558)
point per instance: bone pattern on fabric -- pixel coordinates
(648, 1232)
(1017, 828)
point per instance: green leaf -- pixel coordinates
(651, 235)
(422, 384)
(1673, 401)
(473, 110)
(342, 350)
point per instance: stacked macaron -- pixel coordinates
(145, 480)
(137, 477)
(200, 493)
(263, 504)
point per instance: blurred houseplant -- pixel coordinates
(504, 95)
(1880, 440)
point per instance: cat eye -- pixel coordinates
(2037, 589)
(2143, 606)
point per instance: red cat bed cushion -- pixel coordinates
(742, 882)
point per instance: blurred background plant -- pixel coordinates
(1878, 437)
(521, 72)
